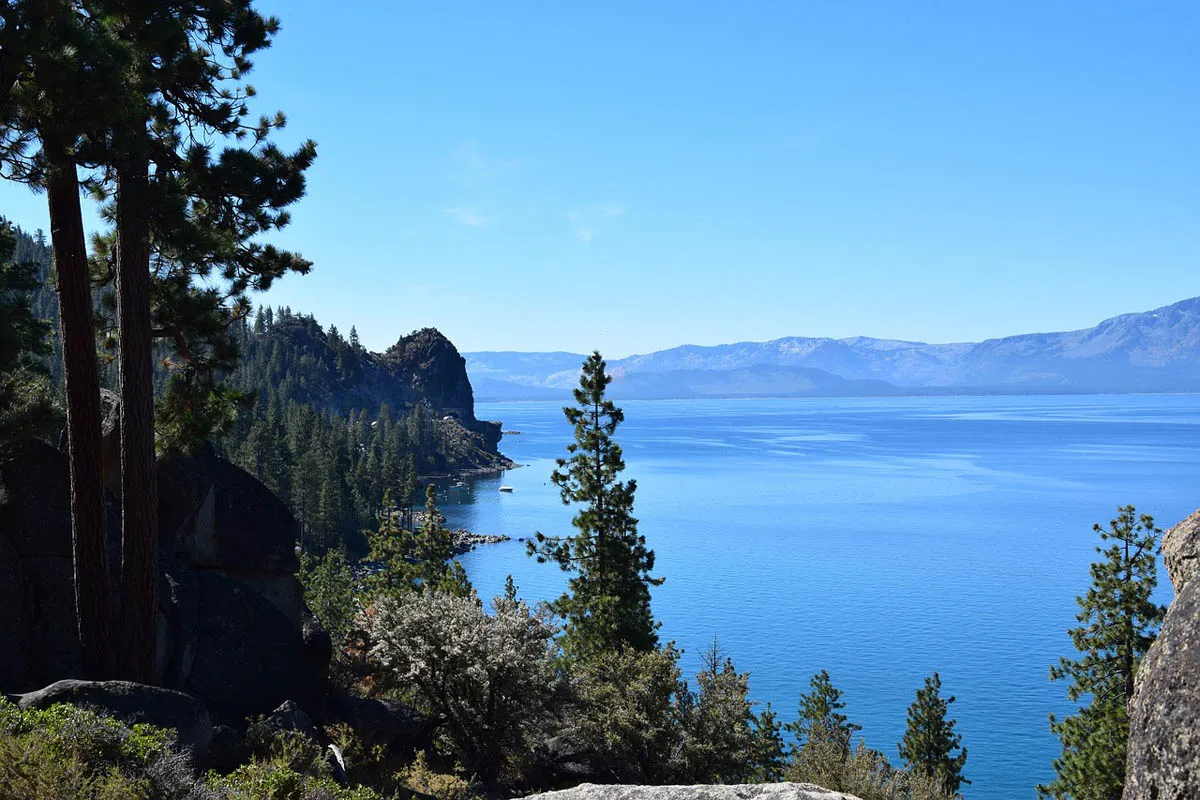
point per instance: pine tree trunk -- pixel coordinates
(93, 601)
(139, 488)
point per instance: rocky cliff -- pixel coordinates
(233, 630)
(1164, 717)
(290, 358)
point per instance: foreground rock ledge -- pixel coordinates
(1164, 717)
(757, 791)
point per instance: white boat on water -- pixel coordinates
(506, 488)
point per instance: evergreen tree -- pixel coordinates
(822, 734)
(416, 561)
(391, 546)
(25, 405)
(170, 198)
(434, 553)
(329, 591)
(820, 718)
(930, 741)
(607, 606)
(723, 740)
(769, 762)
(1118, 623)
(60, 77)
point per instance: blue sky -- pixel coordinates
(633, 176)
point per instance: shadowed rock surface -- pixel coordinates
(761, 791)
(233, 628)
(380, 722)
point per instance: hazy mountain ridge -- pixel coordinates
(1152, 351)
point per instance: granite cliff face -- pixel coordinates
(233, 629)
(1164, 717)
(426, 366)
(294, 359)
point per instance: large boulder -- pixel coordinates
(378, 722)
(14, 629)
(53, 650)
(1181, 550)
(759, 791)
(1164, 717)
(35, 499)
(40, 643)
(133, 703)
(233, 628)
(238, 652)
(216, 515)
(1164, 740)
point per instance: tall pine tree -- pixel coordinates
(60, 78)
(607, 605)
(1118, 623)
(930, 740)
(820, 720)
(178, 209)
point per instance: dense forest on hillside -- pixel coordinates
(324, 423)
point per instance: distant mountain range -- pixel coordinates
(1153, 351)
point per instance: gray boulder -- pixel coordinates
(14, 631)
(761, 791)
(290, 717)
(37, 595)
(217, 515)
(35, 499)
(1164, 741)
(246, 657)
(1181, 550)
(133, 703)
(379, 722)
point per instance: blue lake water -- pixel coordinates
(880, 539)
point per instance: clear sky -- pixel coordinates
(633, 176)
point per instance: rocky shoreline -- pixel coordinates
(473, 472)
(463, 540)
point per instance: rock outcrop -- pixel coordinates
(422, 369)
(379, 722)
(37, 595)
(233, 628)
(1181, 551)
(134, 703)
(427, 367)
(1164, 737)
(759, 791)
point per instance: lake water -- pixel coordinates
(880, 539)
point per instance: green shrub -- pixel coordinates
(622, 712)
(287, 766)
(420, 777)
(68, 752)
(487, 678)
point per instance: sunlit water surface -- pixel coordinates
(880, 539)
